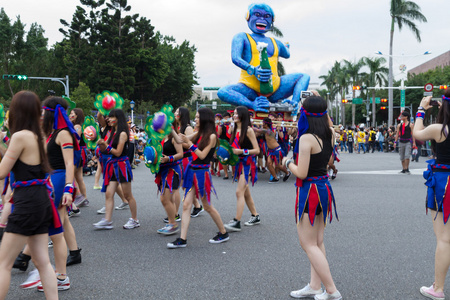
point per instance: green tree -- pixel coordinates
(353, 69)
(402, 13)
(82, 96)
(376, 77)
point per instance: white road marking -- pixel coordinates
(384, 172)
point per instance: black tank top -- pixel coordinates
(169, 148)
(27, 199)
(443, 152)
(247, 144)
(54, 152)
(207, 159)
(318, 162)
(406, 136)
(114, 142)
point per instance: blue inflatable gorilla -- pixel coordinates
(245, 55)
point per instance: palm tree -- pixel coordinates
(377, 76)
(353, 70)
(330, 81)
(402, 13)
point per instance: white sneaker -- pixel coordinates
(306, 292)
(33, 280)
(63, 285)
(325, 296)
(132, 223)
(101, 211)
(103, 224)
(122, 205)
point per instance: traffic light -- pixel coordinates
(443, 87)
(356, 87)
(383, 107)
(14, 77)
(344, 100)
(384, 100)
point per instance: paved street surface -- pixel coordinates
(382, 247)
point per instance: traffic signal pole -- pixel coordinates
(63, 81)
(60, 80)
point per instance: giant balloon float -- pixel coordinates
(260, 86)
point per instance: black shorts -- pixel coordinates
(122, 178)
(175, 183)
(29, 224)
(318, 210)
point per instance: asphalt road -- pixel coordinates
(382, 247)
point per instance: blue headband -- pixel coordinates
(445, 98)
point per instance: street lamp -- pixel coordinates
(391, 80)
(132, 109)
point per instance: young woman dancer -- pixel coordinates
(183, 121)
(437, 177)
(76, 116)
(197, 178)
(244, 143)
(117, 170)
(33, 211)
(103, 159)
(168, 181)
(315, 198)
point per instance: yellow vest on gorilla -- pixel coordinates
(250, 80)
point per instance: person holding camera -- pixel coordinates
(438, 195)
(404, 136)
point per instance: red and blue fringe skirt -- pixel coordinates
(438, 191)
(199, 178)
(117, 169)
(166, 175)
(276, 155)
(315, 192)
(263, 146)
(247, 167)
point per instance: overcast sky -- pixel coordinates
(319, 31)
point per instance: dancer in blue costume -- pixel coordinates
(244, 54)
(197, 181)
(34, 211)
(117, 170)
(438, 191)
(315, 200)
(243, 141)
(168, 181)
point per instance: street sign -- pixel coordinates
(402, 97)
(377, 100)
(428, 87)
(357, 101)
(214, 105)
(426, 94)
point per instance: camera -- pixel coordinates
(434, 103)
(305, 94)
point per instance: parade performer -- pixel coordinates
(168, 181)
(274, 152)
(76, 116)
(34, 211)
(260, 84)
(438, 194)
(243, 141)
(117, 170)
(222, 132)
(315, 200)
(183, 124)
(103, 158)
(197, 179)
